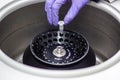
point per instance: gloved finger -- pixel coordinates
(73, 11)
(48, 9)
(55, 10)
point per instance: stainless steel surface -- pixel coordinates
(116, 5)
(110, 1)
(59, 51)
(99, 25)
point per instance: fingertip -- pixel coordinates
(55, 18)
(49, 20)
(55, 23)
(67, 20)
(49, 17)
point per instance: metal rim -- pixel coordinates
(9, 8)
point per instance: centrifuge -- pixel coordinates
(87, 48)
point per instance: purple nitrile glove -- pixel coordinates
(52, 8)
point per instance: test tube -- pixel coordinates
(61, 25)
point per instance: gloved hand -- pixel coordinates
(52, 8)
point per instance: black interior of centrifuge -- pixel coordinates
(30, 60)
(50, 39)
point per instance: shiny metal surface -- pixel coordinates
(59, 51)
(110, 1)
(100, 28)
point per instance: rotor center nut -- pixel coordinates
(59, 51)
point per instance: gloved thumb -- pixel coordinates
(73, 11)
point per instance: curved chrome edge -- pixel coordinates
(9, 8)
(105, 6)
(116, 4)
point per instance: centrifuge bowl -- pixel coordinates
(22, 20)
